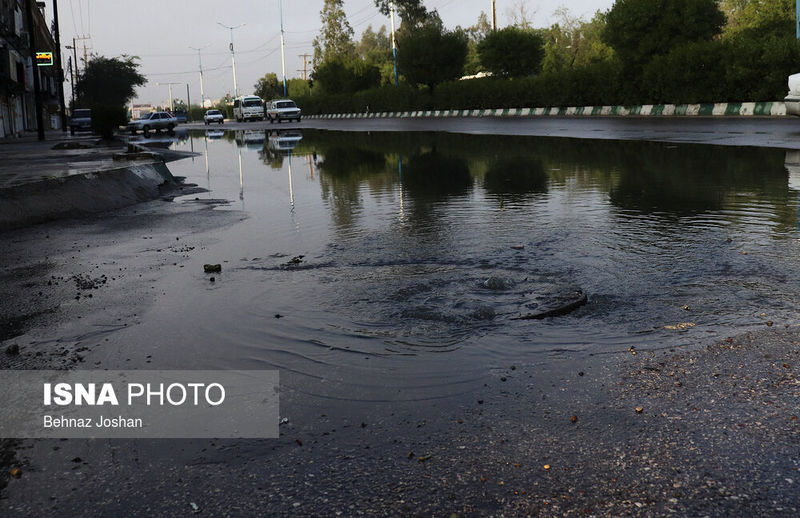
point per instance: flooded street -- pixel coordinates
(361, 268)
(438, 306)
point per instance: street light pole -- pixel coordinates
(59, 67)
(283, 54)
(394, 48)
(200, 60)
(233, 56)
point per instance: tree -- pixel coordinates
(638, 30)
(430, 55)
(761, 17)
(375, 47)
(520, 15)
(572, 42)
(512, 52)
(412, 12)
(106, 86)
(335, 40)
(335, 76)
(268, 87)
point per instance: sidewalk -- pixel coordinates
(39, 183)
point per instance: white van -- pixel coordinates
(248, 107)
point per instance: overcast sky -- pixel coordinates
(160, 32)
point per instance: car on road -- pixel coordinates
(213, 116)
(155, 121)
(792, 100)
(248, 107)
(283, 109)
(80, 120)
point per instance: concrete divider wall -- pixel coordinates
(706, 109)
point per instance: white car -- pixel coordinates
(213, 116)
(792, 100)
(153, 121)
(283, 109)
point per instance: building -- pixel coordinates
(17, 66)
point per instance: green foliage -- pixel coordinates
(412, 12)
(337, 76)
(573, 42)
(375, 47)
(639, 30)
(511, 52)
(106, 86)
(335, 40)
(762, 18)
(430, 55)
(268, 87)
(297, 88)
(692, 73)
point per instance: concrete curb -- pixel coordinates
(86, 193)
(705, 109)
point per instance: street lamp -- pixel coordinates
(233, 57)
(200, 60)
(283, 54)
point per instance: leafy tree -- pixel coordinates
(338, 76)
(297, 87)
(375, 47)
(572, 42)
(762, 18)
(430, 55)
(475, 35)
(511, 52)
(412, 12)
(106, 86)
(335, 40)
(638, 30)
(268, 87)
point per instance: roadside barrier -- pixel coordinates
(765, 109)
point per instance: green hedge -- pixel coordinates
(726, 70)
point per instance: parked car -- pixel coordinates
(153, 121)
(248, 107)
(80, 120)
(283, 109)
(213, 116)
(792, 101)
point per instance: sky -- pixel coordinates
(161, 32)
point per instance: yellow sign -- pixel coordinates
(44, 59)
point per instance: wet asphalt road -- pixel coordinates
(705, 432)
(776, 132)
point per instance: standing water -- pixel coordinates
(396, 266)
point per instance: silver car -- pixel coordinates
(283, 109)
(153, 121)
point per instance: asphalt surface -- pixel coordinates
(701, 432)
(776, 132)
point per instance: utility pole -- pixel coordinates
(394, 48)
(171, 108)
(71, 80)
(797, 19)
(200, 60)
(59, 68)
(494, 14)
(36, 94)
(305, 63)
(188, 103)
(283, 54)
(233, 56)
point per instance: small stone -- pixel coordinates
(770, 323)
(12, 350)
(639, 410)
(212, 268)
(212, 279)
(574, 419)
(16, 473)
(546, 467)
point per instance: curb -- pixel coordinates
(86, 193)
(704, 109)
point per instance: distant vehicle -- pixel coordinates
(153, 121)
(81, 120)
(283, 109)
(284, 140)
(248, 107)
(792, 101)
(180, 115)
(215, 134)
(213, 116)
